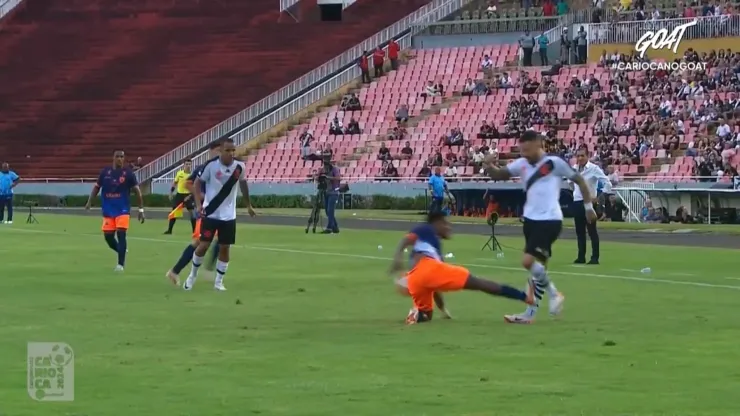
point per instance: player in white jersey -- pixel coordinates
(542, 177)
(592, 174)
(218, 209)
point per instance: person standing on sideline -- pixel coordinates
(582, 45)
(8, 181)
(438, 189)
(331, 197)
(593, 175)
(543, 41)
(393, 50)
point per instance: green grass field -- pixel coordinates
(311, 326)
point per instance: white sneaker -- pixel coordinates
(521, 318)
(174, 278)
(3, 222)
(556, 304)
(220, 287)
(188, 285)
(118, 268)
(9, 222)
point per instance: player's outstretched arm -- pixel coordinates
(140, 197)
(493, 171)
(398, 255)
(439, 300)
(197, 191)
(588, 199)
(244, 187)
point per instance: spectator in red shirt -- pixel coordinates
(393, 49)
(378, 60)
(548, 9)
(689, 12)
(364, 67)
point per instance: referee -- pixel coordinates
(180, 194)
(592, 174)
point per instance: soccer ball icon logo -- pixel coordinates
(61, 355)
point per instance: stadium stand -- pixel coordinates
(643, 124)
(81, 78)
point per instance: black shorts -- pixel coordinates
(539, 237)
(226, 230)
(180, 198)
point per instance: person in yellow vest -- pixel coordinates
(180, 197)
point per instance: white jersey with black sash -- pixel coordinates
(542, 183)
(221, 188)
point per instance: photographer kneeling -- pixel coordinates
(328, 185)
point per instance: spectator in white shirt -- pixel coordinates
(430, 90)
(727, 153)
(723, 130)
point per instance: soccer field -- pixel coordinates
(310, 325)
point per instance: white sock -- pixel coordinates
(197, 261)
(552, 291)
(221, 267)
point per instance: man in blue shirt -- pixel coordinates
(438, 189)
(331, 197)
(8, 181)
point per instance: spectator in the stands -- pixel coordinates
(336, 127)
(364, 65)
(350, 102)
(430, 90)
(454, 138)
(548, 8)
(565, 44)
(305, 140)
(402, 114)
(562, 7)
(393, 49)
(582, 45)
(327, 153)
(397, 133)
(384, 153)
(527, 43)
(378, 61)
(389, 170)
(614, 209)
(468, 88)
(543, 42)
(407, 152)
(486, 66)
(424, 173)
(488, 131)
(138, 164)
(353, 127)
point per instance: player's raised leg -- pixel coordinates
(185, 258)
(208, 229)
(122, 224)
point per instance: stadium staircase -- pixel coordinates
(84, 78)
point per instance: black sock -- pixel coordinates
(512, 293)
(171, 225)
(121, 247)
(110, 238)
(185, 258)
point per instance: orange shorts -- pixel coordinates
(120, 222)
(196, 231)
(429, 276)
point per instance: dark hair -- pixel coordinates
(187, 159)
(435, 216)
(215, 145)
(529, 136)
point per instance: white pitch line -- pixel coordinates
(732, 278)
(365, 257)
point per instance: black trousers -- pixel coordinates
(583, 227)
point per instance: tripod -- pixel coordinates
(315, 217)
(31, 218)
(492, 243)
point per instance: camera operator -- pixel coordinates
(328, 185)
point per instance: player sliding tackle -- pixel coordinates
(430, 276)
(217, 210)
(542, 178)
(116, 184)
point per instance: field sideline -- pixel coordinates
(311, 326)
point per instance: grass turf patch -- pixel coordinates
(318, 329)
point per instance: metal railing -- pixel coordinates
(6, 6)
(287, 4)
(262, 115)
(631, 32)
(489, 26)
(612, 15)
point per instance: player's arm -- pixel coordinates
(601, 176)
(563, 169)
(197, 186)
(15, 179)
(139, 196)
(439, 300)
(174, 186)
(94, 191)
(405, 243)
(490, 164)
(244, 188)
